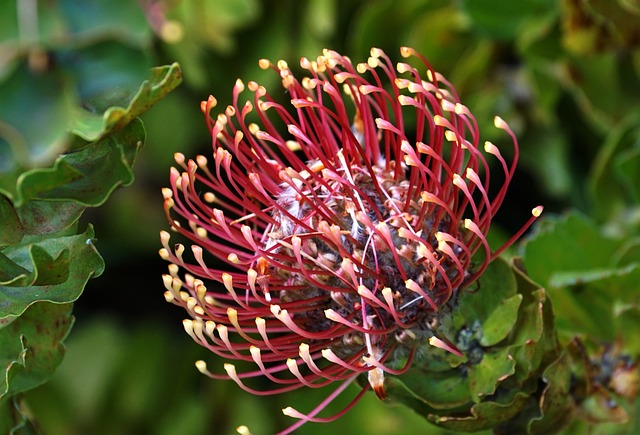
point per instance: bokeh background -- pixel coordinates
(563, 73)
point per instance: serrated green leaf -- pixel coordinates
(161, 81)
(45, 268)
(32, 183)
(59, 268)
(88, 176)
(49, 270)
(31, 346)
(31, 363)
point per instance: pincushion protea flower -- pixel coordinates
(331, 236)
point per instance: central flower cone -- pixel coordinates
(333, 229)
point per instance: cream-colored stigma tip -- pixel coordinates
(201, 366)
(288, 411)
(537, 211)
(243, 430)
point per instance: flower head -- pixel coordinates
(333, 229)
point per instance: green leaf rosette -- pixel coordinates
(512, 375)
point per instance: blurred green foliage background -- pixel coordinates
(565, 74)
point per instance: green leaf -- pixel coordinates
(10, 225)
(587, 284)
(46, 269)
(87, 176)
(30, 351)
(601, 86)
(533, 334)
(555, 405)
(568, 243)
(592, 304)
(496, 285)
(500, 322)
(485, 377)
(46, 217)
(535, 315)
(613, 180)
(162, 80)
(485, 415)
(504, 19)
(10, 271)
(31, 346)
(54, 269)
(11, 419)
(426, 392)
(627, 318)
(112, 381)
(629, 171)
